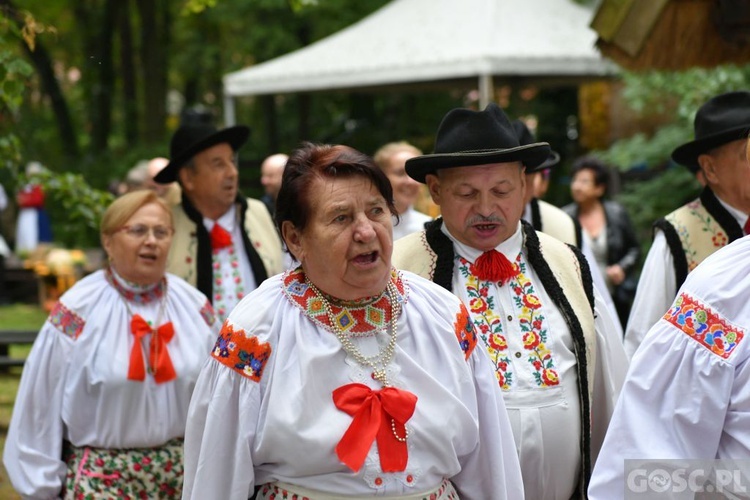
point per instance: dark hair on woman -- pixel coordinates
(323, 161)
(597, 166)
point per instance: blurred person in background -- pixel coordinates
(391, 158)
(103, 399)
(346, 378)
(607, 229)
(33, 224)
(271, 171)
(224, 244)
(549, 219)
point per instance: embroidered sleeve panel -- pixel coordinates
(705, 326)
(465, 332)
(208, 314)
(241, 353)
(65, 320)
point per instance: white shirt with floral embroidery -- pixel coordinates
(530, 346)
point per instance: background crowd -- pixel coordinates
(487, 307)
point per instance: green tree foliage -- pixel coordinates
(654, 184)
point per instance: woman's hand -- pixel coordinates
(616, 274)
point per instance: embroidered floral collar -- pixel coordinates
(132, 292)
(358, 317)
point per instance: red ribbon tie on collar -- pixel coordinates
(159, 358)
(373, 412)
(220, 237)
(494, 266)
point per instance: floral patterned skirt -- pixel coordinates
(133, 473)
(278, 491)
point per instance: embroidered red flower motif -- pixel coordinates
(537, 325)
(550, 377)
(719, 239)
(503, 365)
(484, 291)
(497, 341)
(501, 379)
(477, 305)
(189, 260)
(484, 328)
(531, 340)
(531, 301)
(537, 364)
(218, 281)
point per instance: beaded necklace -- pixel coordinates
(379, 362)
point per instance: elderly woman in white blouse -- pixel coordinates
(344, 377)
(101, 408)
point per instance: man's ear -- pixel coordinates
(708, 165)
(185, 178)
(293, 239)
(433, 184)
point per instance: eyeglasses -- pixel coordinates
(141, 231)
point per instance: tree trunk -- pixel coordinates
(43, 64)
(155, 24)
(128, 73)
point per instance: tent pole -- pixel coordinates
(229, 118)
(486, 90)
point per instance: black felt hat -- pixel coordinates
(189, 140)
(526, 137)
(467, 138)
(724, 118)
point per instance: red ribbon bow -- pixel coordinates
(158, 356)
(747, 226)
(494, 266)
(220, 237)
(374, 413)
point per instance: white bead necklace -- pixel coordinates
(379, 363)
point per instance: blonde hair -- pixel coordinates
(123, 208)
(383, 155)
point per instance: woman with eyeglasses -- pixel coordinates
(103, 400)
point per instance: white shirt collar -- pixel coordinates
(740, 216)
(510, 247)
(227, 221)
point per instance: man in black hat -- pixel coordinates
(685, 237)
(530, 296)
(224, 244)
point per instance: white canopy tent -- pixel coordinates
(409, 41)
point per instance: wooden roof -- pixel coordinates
(673, 34)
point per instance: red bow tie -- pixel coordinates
(378, 415)
(158, 357)
(747, 226)
(494, 266)
(220, 237)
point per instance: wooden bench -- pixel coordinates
(8, 337)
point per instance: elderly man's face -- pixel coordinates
(212, 184)
(727, 172)
(480, 205)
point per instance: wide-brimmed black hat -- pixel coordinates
(526, 137)
(724, 118)
(189, 140)
(467, 138)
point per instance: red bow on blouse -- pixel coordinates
(746, 228)
(158, 357)
(220, 237)
(494, 266)
(377, 414)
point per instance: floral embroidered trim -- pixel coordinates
(704, 325)
(139, 297)
(465, 332)
(490, 326)
(66, 320)
(207, 311)
(361, 317)
(226, 294)
(242, 353)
